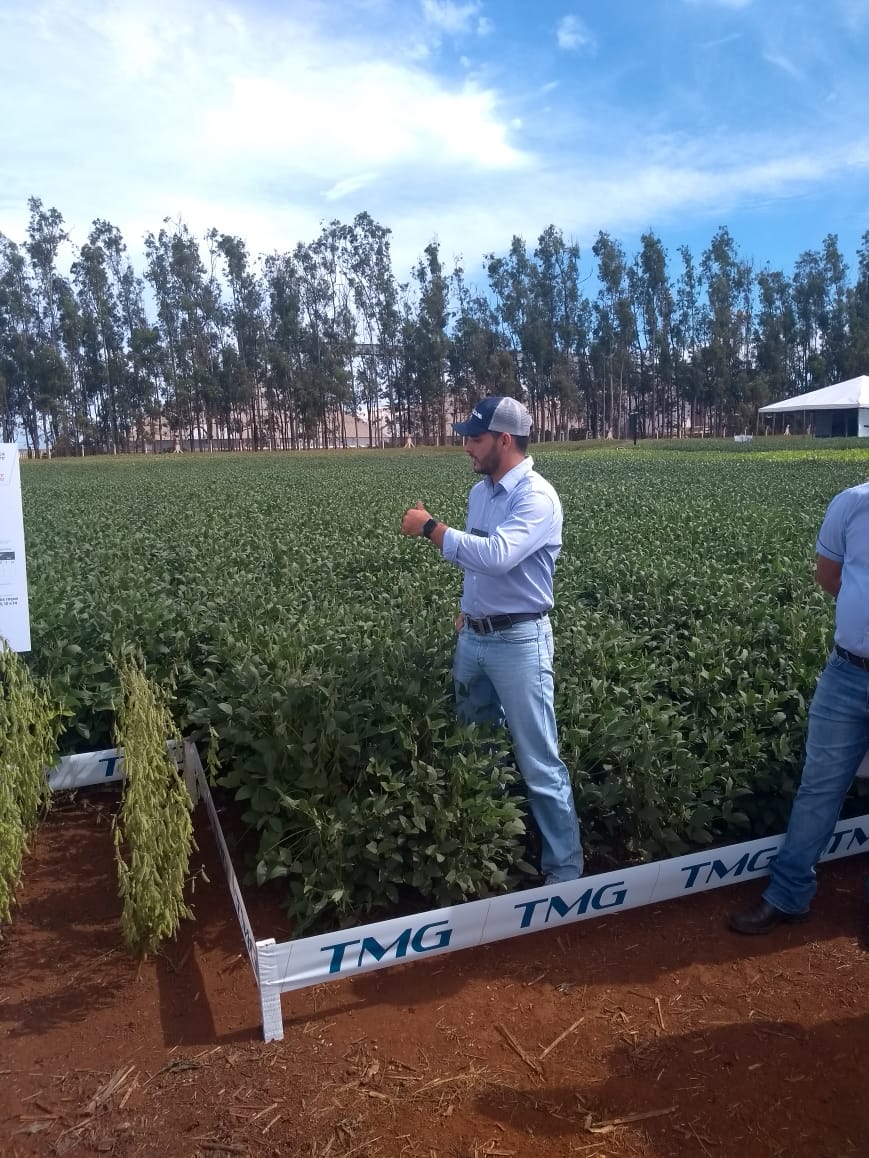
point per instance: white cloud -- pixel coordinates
(246, 118)
(784, 63)
(333, 115)
(349, 185)
(720, 41)
(265, 124)
(448, 16)
(668, 179)
(573, 34)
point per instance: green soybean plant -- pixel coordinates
(29, 724)
(153, 831)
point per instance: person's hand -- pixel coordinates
(414, 520)
(460, 621)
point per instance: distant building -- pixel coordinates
(837, 411)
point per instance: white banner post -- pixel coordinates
(14, 607)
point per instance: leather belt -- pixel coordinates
(861, 661)
(501, 622)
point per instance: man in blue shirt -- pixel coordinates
(503, 663)
(838, 734)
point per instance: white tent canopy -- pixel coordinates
(850, 395)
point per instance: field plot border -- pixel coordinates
(284, 967)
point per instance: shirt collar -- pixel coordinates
(513, 477)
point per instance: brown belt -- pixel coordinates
(861, 661)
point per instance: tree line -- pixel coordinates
(214, 349)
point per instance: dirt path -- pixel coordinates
(652, 1033)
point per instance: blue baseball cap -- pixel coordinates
(498, 414)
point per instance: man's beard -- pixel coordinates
(488, 464)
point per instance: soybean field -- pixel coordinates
(275, 598)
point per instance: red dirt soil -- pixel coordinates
(654, 1033)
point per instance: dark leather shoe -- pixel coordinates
(763, 918)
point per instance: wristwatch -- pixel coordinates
(429, 526)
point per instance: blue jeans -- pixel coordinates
(837, 741)
(506, 677)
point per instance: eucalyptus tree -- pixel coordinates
(613, 343)
(336, 249)
(45, 236)
(86, 436)
(809, 296)
(687, 333)
(36, 380)
(158, 272)
(820, 297)
(404, 408)
(512, 281)
(52, 383)
(652, 298)
(540, 315)
(283, 349)
(18, 342)
(431, 344)
(774, 338)
(81, 342)
(728, 331)
(328, 333)
(104, 361)
(140, 378)
(563, 324)
(188, 311)
(8, 417)
(49, 381)
(375, 296)
(148, 358)
(241, 400)
(313, 390)
(856, 361)
(480, 361)
(835, 337)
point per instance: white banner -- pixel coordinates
(87, 768)
(104, 767)
(281, 968)
(14, 609)
(350, 952)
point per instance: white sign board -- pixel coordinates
(14, 610)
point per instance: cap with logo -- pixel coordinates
(499, 414)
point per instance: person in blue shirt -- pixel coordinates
(838, 732)
(502, 669)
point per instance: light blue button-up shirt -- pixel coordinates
(844, 538)
(509, 546)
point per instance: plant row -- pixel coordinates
(277, 596)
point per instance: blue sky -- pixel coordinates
(468, 120)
